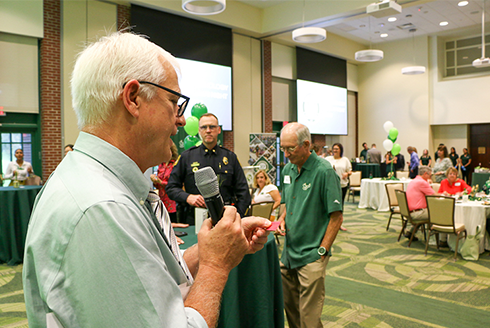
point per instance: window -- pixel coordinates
(459, 56)
(10, 143)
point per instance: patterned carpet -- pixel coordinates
(372, 281)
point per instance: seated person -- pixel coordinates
(266, 191)
(452, 185)
(417, 189)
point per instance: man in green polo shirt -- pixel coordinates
(313, 216)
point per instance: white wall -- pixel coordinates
(451, 136)
(22, 17)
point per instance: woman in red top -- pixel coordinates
(160, 182)
(452, 185)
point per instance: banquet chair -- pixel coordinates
(435, 186)
(390, 191)
(402, 174)
(354, 184)
(262, 209)
(441, 220)
(401, 196)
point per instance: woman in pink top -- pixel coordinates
(452, 185)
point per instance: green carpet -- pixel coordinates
(372, 281)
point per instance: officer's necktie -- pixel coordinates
(163, 218)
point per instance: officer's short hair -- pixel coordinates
(209, 114)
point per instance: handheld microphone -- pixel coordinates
(207, 183)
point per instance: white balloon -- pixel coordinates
(387, 126)
(388, 144)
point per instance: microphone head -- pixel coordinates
(207, 182)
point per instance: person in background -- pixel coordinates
(311, 222)
(389, 160)
(19, 169)
(343, 167)
(374, 155)
(452, 185)
(266, 191)
(453, 156)
(317, 149)
(417, 189)
(68, 148)
(160, 181)
(465, 164)
(96, 254)
(364, 152)
(233, 185)
(413, 165)
(436, 154)
(442, 164)
(425, 159)
(400, 162)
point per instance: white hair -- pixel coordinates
(302, 132)
(104, 66)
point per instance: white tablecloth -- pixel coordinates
(373, 193)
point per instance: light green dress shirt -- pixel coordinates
(310, 196)
(93, 254)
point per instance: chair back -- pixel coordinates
(401, 197)
(282, 208)
(435, 186)
(441, 210)
(390, 191)
(263, 209)
(402, 174)
(355, 179)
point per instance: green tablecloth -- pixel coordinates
(15, 210)
(253, 293)
(368, 169)
(479, 179)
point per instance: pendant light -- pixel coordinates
(413, 70)
(309, 34)
(369, 55)
(483, 61)
(204, 7)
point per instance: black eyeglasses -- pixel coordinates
(182, 102)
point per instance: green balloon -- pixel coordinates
(198, 110)
(191, 141)
(393, 134)
(392, 139)
(396, 149)
(192, 126)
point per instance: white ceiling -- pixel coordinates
(424, 16)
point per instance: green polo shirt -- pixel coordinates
(310, 196)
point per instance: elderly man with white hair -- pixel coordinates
(97, 254)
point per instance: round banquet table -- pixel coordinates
(15, 211)
(369, 168)
(373, 193)
(253, 293)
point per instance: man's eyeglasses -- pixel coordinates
(182, 102)
(205, 127)
(288, 149)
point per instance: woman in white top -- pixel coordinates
(266, 191)
(343, 167)
(19, 169)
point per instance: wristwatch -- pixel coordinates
(322, 251)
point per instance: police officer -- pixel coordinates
(231, 179)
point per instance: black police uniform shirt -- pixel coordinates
(233, 184)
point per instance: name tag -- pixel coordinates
(457, 184)
(287, 179)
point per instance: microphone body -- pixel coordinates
(207, 184)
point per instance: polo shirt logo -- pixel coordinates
(306, 186)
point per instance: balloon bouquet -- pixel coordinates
(192, 126)
(390, 145)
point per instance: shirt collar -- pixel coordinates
(123, 167)
(206, 151)
(308, 165)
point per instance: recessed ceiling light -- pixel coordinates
(443, 23)
(383, 35)
(361, 26)
(462, 3)
(408, 16)
(381, 24)
(392, 19)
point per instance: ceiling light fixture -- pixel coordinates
(369, 55)
(309, 34)
(384, 35)
(413, 70)
(444, 23)
(462, 3)
(392, 19)
(204, 7)
(483, 61)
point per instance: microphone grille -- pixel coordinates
(207, 182)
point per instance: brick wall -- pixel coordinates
(50, 48)
(267, 76)
(123, 17)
